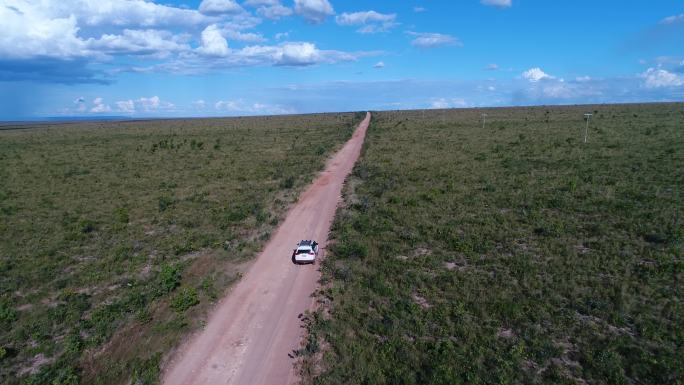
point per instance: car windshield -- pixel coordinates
(303, 251)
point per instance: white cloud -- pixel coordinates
(139, 13)
(140, 42)
(149, 103)
(432, 40)
(298, 54)
(492, 67)
(673, 19)
(199, 104)
(498, 3)
(294, 54)
(50, 29)
(27, 33)
(314, 11)
(536, 74)
(125, 106)
(145, 105)
(379, 65)
(282, 35)
(242, 107)
(99, 106)
(660, 78)
(248, 37)
(443, 103)
(219, 7)
(70, 40)
(213, 43)
(419, 9)
(369, 21)
(274, 12)
(583, 79)
(270, 9)
(260, 3)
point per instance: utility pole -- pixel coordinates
(484, 121)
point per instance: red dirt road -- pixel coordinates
(253, 329)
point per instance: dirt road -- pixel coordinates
(251, 332)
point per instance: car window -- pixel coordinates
(303, 251)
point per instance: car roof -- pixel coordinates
(305, 243)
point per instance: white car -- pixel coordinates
(305, 252)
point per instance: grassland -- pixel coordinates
(116, 237)
(510, 254)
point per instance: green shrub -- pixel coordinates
(7, 313)
(164, 202)
(351, 249)
(288, 182)
(122, 215)
(185, 299)
(169, 279)
(146, 371)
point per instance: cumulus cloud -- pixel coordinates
(248, 37)
(270, 9)
(498, 3)
(297, 54)
(536, 74)
(286, 54)
(144, 105)
(379, 65)
(314, 11)
(125, 106)
(431, 40)
(492, 67)
(368, 21)
(442, 103)
(242, 107)
(660, 78)
(419, 9)
(274, 12)
(140, 42)
(115, 12)
(76, 41)
(219, 7)
(199, 104)
(99, 106)
(213, 43)
(28, 33)
(50, 30)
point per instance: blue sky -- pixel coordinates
(250, 57)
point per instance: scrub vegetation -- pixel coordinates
(510, 254)
(116, 237)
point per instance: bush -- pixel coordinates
(169, 279)
(146, 372)
(86, 226)
(7, 313)
(287, 182)
(165, 202)
(351, 249)
(122, 215)
(185, 299)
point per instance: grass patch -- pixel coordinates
(127, 231)
(513, 254)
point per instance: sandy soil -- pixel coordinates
(251, 334)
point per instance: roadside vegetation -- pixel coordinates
(116, 237)
(510, 254)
